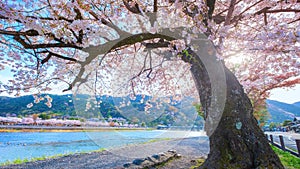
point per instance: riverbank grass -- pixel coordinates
(289, 161)
(198, 162)
(156, 140)
(21, 161)
(15, 130)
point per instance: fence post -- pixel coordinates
(282, 142)
(271, 137)
(298, 146)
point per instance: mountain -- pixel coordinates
(164, 110)
(61, 104)
(297, 104)
(128, 108)
(280, 111)
(66, 105)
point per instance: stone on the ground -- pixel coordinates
(152, 161)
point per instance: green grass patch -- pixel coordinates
(289, 161)
(156, 140)
(198, 162)
(21, 161)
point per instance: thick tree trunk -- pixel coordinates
(237, 141)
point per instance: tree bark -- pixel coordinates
(237, 142)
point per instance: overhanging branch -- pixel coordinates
(50, 54)
(94, 51)
(44, 45)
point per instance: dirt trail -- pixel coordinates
(189, 148)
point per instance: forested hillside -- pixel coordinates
(167, 111)
(62, 104)
(280, 111)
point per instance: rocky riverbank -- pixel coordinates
(189, 150)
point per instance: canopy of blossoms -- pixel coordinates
(53, 42)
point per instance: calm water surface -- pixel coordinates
(27, 145)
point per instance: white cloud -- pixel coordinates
(287, 95)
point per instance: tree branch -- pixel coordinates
(240, 16)
(17, 37)
(15, 33)
(80, 33)
(41, 18)
(294, 21)
(230, 12)
(282, 10)
(250, 7)
(45, 45)
(155, 6)
(220, 13)
(113, 26)
(211, 7)
(94, 51)
(50, 54)
(134, 9)
(267, 10)
(160, 44)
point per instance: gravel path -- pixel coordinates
(189, 148)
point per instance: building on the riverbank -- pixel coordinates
(295, 125)
(30, 121)
(10, 120)
(40, 122)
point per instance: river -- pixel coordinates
(28, 145)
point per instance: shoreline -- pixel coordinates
(189, 148)
(20, 128)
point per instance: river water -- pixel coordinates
(28, 145)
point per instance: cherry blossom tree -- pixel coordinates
(94, 42)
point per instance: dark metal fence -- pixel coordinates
(282, 146)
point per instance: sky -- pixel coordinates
(286, 95)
